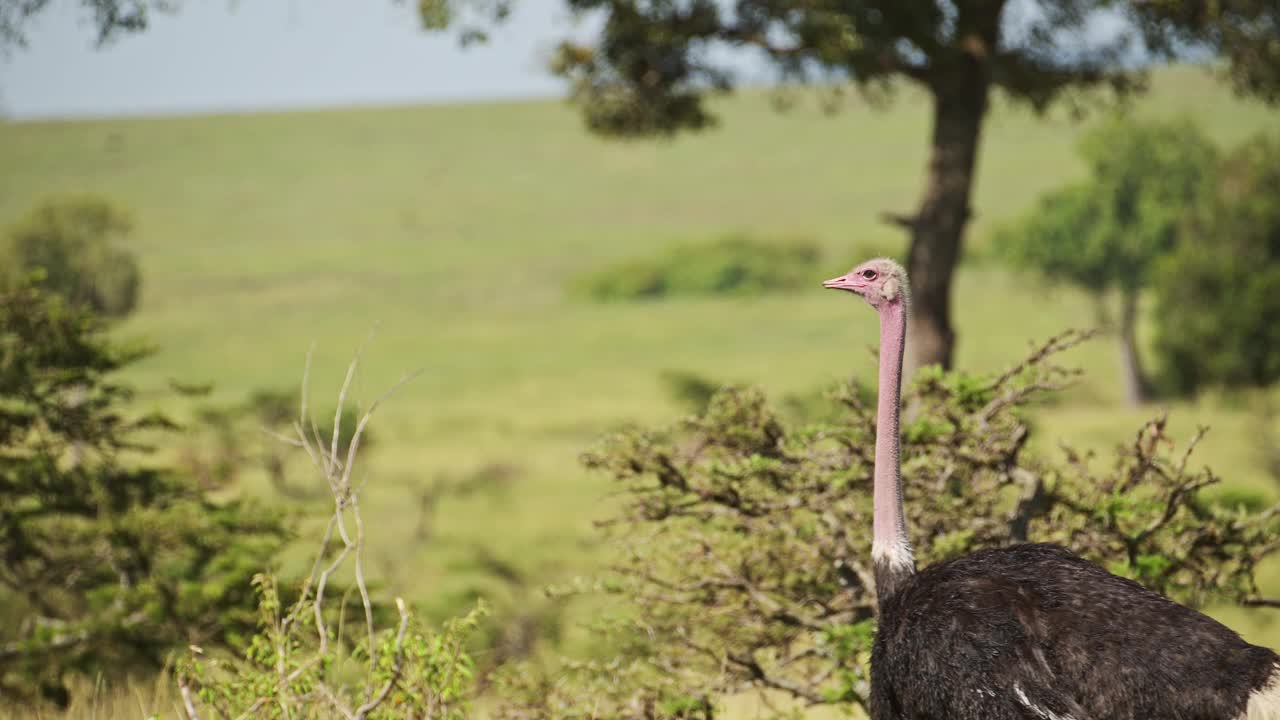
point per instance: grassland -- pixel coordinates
(456, 228)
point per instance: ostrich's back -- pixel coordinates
(1035, 632)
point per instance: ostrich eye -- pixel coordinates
(869, 274)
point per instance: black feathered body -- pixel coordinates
(1034, 632)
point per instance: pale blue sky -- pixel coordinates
(252, 54)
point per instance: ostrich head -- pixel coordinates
(879, 282)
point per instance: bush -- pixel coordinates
(745, 538)
(109, 563)
(72, 244)
(733, 265)
(300, 663)
(1218, 298)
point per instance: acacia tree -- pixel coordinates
(1108, 232)
(652, 65)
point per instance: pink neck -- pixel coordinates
(890, 539)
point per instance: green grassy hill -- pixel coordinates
(456, 229)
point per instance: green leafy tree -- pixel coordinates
(1107, 233)
(107, 563)
(744, 538)
(1218, 297)
(73, 243)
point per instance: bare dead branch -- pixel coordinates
(906, 222)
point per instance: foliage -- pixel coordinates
(110, 17)
(72, 243)
(288, 671)
(1107, 232)
(298, 664)
(1218, 298)
(653, 64)
(1242, 31)
(732, 265)
(746, 541)
(109, 563)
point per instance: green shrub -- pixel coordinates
(315, 658)
(745, 538)
(733, 265)
(1218, 298)
(111, 560)
(72, 243)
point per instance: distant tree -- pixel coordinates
(1108, 232)
(72, 242)
(1218, 297)
(107, 563)
(1243, 32)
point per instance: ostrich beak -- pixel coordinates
(844, 282)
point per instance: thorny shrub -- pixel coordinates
(746, 538)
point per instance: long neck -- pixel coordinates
(890, 549)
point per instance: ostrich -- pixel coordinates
(1032, 631)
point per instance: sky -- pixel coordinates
(229, 55)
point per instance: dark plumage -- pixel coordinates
(1030, 632)
(1036, 632)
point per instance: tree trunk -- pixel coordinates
(959, 105)
(1136, 390)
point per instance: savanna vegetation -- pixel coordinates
(650, 69)
(462, 249)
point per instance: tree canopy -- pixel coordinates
(1106, 232)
